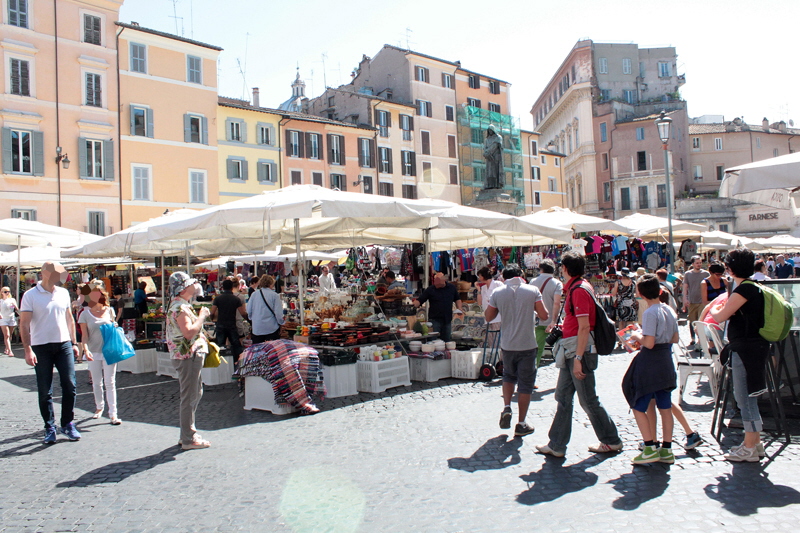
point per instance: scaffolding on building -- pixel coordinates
(472, 125)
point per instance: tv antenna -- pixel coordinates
(176, 17)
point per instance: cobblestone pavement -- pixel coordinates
(429, 457)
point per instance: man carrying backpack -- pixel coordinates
(577, 367)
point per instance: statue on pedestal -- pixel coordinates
(493, 154)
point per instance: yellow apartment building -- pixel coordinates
(168, 105)
(59, 114)
(542, 176)
(248, 149)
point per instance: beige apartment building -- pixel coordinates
(168, 123)
(59, 115)
(597, 86)
(721, 144)
(542, 177)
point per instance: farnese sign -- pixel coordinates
(763, 216)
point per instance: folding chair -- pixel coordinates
(688, 366)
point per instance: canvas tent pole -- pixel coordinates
(300, 274)
(163, 290)
(426, 257)
(19, 261)
(188, 261)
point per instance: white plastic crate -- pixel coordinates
(144, 361)
(164, 365)
(258, 394)
(466, 364)
(377, 376)
(220, 375)
(340, 380)
(430, 370)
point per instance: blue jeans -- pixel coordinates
(60, 356)
(751, 417)
(445, 328)
(567, 386)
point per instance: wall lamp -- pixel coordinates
(63, 159)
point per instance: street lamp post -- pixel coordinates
(664, 125)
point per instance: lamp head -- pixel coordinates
(664, 125)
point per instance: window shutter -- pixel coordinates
(321, 147)
(341, 148)
(429, 110)
(389, 155)
(89, 90)
(413, 157)
(443, 78)
(243, 130)
(288, 147)
(307, 136)
(150, 123)
(377, 118)
(300, 144)
(411, 123)
(330, 148)
(273, 174)
(38, 153)
(372, 153)
(388, 119)
(362, 156)
(245, 170)
(82, 157)
(133, 120)
(228, 135)
(187, 128)
(261, 172)
(7, 150)
(231, 169)
(417, 103)
(108, 160)
(343, 183)
(204, 124)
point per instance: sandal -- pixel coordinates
(196, 444)
(97, 414)
(116, 421)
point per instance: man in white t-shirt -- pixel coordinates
(516, 302)
(48, 337)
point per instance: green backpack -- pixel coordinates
(778, 314)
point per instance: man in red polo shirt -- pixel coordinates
(577, 367)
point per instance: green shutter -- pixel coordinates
(7, 151)
(413, 156)
(108, 160)
(82, 157)
(187, 128)
(38, 153)
(261, 172)
(228, 129)
(150, 123)
(389, 152)
(204, 138)
(132, 113)
(245, 169)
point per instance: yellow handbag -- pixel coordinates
(213, 360)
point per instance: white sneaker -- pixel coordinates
(760, 450)
(742, 454)
(544, 449)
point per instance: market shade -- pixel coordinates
(274, 257)
(641, 225)
(339, 219)
(725, 238)
(768, 182)
(780, 242)
(21, 232)
(32, 256)
(577, 222)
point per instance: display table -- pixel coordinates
(377, 376)
(258, 394)
(145, 360)
(220, 375)
(164, 365)
(430, 370)
(340, 380)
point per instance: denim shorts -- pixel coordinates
(663, 401)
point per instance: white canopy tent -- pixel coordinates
(722, 240)
(25, 233)
(780, 243)
(649, 226)
(577, 222)
(772, 182)
(315, 217)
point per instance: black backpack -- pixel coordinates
(605, 333)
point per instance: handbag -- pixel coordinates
(116, 347)
(213, 359)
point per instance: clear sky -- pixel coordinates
(739, 56)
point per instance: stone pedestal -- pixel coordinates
(495, 200)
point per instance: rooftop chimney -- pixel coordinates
(765, 123)
(256, 99)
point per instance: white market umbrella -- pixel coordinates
(577, 222)
(770, 182)
(642, 226)
(32, 256)
(726, 240)
(780, 242)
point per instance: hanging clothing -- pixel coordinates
(626, 303)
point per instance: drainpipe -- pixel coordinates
(119, 132)
(789, 142)
(58, 130)
(751, 145)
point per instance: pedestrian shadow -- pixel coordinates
(116, 472)
(496, 453)
(640, 486)
(747, 488)
(29, 443)
(555, 480)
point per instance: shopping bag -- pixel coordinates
(116, 347)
